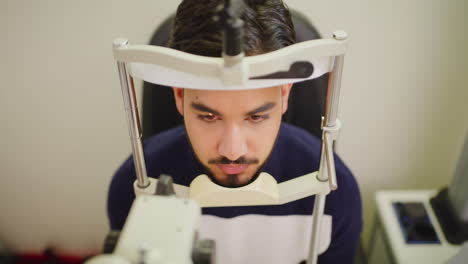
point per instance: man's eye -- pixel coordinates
(257, 118)
(208, 117)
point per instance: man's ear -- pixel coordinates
(285, 90)
(179, 99)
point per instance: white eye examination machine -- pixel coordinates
(175, 208)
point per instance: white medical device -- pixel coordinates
(234, 71)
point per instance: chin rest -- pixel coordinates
(263, 191)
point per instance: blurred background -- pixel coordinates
(404, 105)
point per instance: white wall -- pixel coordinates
(63, 125)
(63, 132)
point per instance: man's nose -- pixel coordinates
(232, 144)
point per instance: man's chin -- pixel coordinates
(233, 180)
(224, 179)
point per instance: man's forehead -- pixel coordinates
(245, 102)
(253, 95)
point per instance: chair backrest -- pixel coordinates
(306, 101)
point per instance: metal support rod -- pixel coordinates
(327, 170)
(133, 118)
(332, 101)
(326, 157)
(322, 172)
(333, 92)
(334, 85)
(319, 207)
(330, 161)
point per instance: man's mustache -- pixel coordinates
(241, 160)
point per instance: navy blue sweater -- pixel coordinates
(295, 153)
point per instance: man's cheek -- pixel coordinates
(205, 148)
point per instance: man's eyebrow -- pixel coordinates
(262, 108)
(204, 108)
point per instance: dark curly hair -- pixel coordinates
(267, 27)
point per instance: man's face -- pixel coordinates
(232, 132)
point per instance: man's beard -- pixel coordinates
(232, 179)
